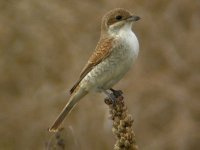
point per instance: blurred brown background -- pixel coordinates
(45, 43)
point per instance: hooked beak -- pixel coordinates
(133, 18)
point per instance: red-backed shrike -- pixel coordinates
(116, 50)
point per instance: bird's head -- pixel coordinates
(117, 18)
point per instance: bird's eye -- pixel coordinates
(118, 17)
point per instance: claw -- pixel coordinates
(116, 93)
(112, 96)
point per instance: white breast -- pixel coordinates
(112, 69)
(128, 36)
(122, 57)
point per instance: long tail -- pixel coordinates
(75, 97)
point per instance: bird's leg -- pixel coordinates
(111, 96)
(116, 93)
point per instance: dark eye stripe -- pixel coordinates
(118, 17)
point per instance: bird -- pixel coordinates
(116, 51)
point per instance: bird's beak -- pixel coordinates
(133, 18)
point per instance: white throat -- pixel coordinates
(127, 36)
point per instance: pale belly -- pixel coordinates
(107, 73)
(110, 71)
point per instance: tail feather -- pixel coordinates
(75, 97)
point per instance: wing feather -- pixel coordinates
(101, 52)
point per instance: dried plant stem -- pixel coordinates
(122, 124)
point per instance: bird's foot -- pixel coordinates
(116, 93)
(113, 97)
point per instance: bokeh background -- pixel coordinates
(45, 43)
